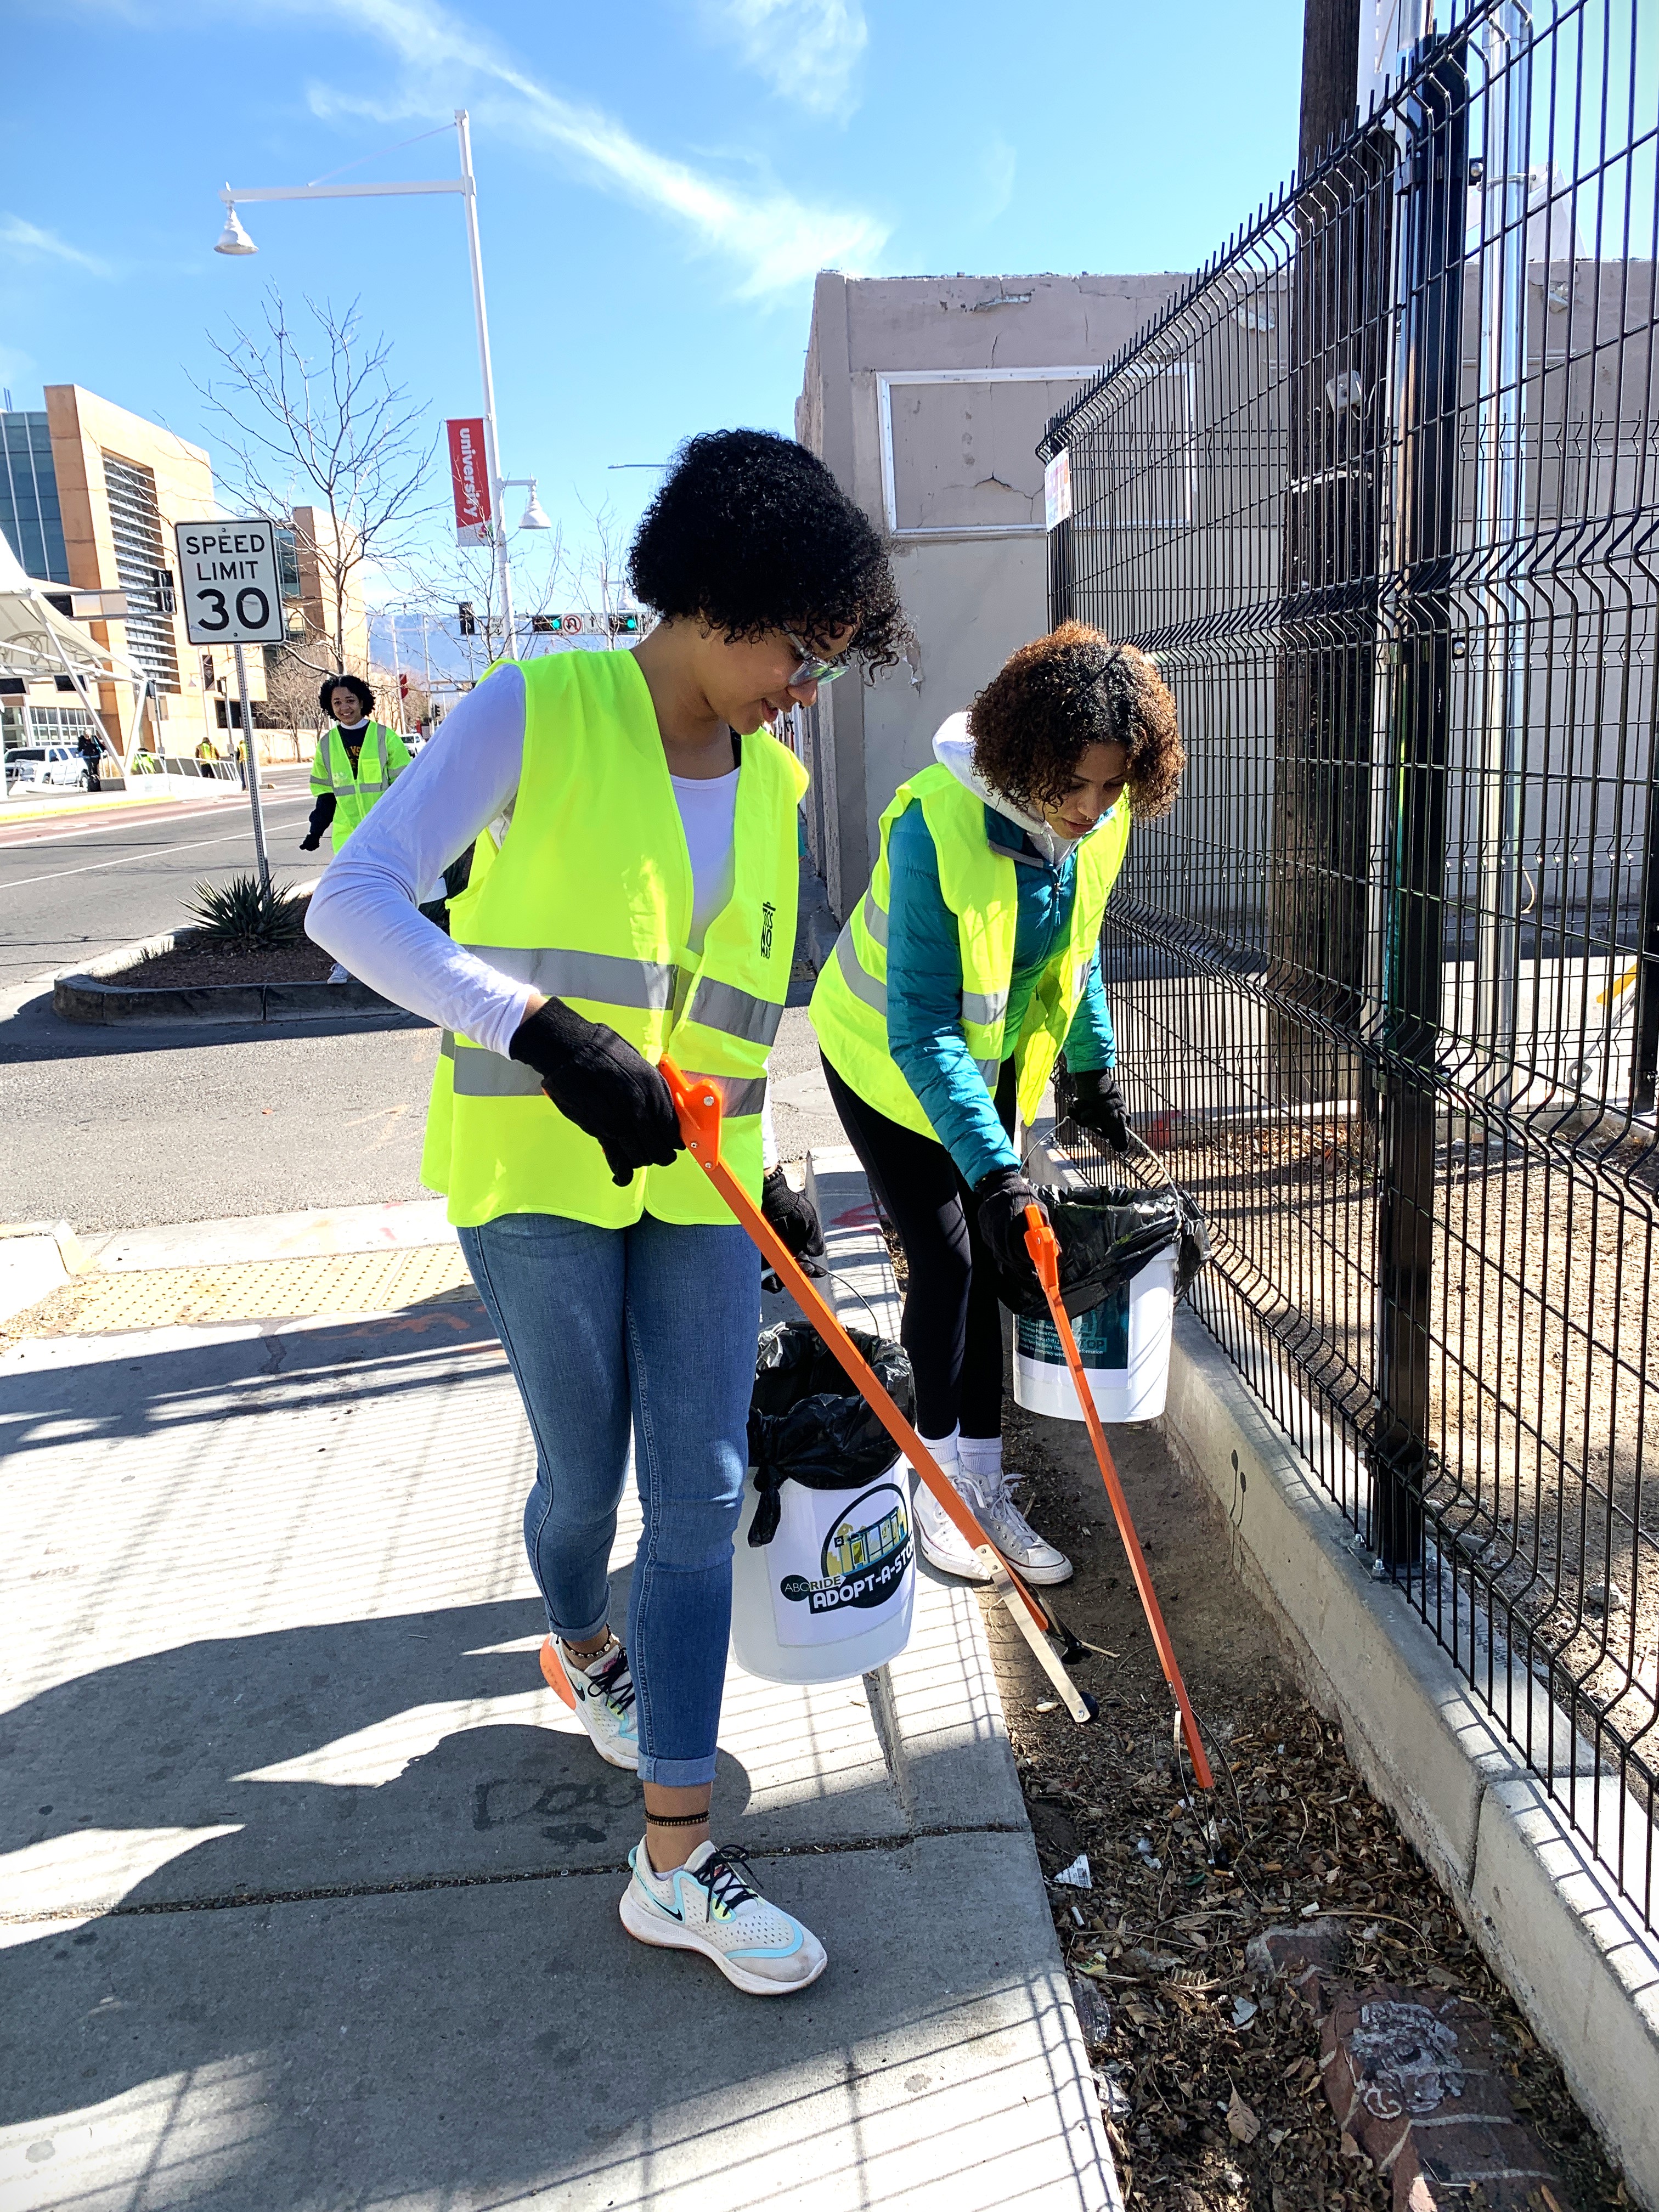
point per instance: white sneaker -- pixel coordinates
(710, 1904)
(601, 1695)
(338, 975)
(942, 1546)
(988, 1499)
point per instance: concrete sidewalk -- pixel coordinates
(309, 1886)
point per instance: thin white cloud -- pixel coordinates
(772, 240)
(808, 51)
(997, 166)
(34, 244)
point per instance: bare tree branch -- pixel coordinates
(329, 430)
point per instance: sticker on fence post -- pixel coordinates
(1057, 489)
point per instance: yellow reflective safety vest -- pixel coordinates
(382, 760)
(981, 887)
(586, 897)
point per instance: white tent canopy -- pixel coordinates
(36, 641)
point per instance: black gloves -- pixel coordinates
(599, 1081)
(1097, 1105)
(310, 844)
(1003, 1197)
(791, 1213)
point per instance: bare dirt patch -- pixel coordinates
(191, 962)
(1177, 2026)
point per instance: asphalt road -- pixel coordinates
(133, 1126)
(124, 1127)
(71, 889)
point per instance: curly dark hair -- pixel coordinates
(1055, 698)
(353, 684)
(750, 532)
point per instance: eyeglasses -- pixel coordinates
(812, 670)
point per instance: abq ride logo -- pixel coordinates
(865, 1555)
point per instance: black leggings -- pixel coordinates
(952, 1326)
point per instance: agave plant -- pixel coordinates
(245, 915)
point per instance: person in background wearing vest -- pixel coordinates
(972, 961)
(355, 764)
(633, 895)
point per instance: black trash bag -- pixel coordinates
(808, 1424)
(1107, 1233)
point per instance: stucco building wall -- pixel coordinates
(925, 396)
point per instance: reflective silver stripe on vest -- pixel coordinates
(984, 1006)
(989, 1070)
(861, 984)
(735, 1013)
(738, 1097)
(645, 985)
(480, 1075)
(875, 920)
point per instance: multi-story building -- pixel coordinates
(88, 496)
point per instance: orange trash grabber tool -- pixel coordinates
(698, 1105)
(1043, 1246)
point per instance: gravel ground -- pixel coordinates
(1177, 2028)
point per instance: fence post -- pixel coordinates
(1433, 175)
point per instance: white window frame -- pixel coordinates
(886, 380)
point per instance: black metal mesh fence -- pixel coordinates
(1381, 490)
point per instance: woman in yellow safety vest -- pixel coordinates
(356, 761)
(637, 826)
(970, 963)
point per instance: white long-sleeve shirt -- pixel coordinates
(366, 911)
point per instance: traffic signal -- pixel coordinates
(469, 615)
(543, 624)
(403, 687)
(623, 625)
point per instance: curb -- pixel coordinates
(36, 1259)
(1545, 1914)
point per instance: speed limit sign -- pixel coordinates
(230, 582)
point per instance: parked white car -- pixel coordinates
(53, 764)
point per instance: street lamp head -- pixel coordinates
(233, 239)
(535, 515)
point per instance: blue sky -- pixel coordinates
(657, 186)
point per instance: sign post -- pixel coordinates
(230, 578)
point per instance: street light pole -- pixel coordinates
(492, 457)
(235, 240)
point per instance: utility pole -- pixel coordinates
(396, 677)
(1330, 74)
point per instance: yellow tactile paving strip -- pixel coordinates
(249, 1290)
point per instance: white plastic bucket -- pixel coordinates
(1124, 1343)
(831, 1596)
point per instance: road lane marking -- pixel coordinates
(189, 813)
(149, 853)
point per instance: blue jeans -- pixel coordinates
(649, 1330)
